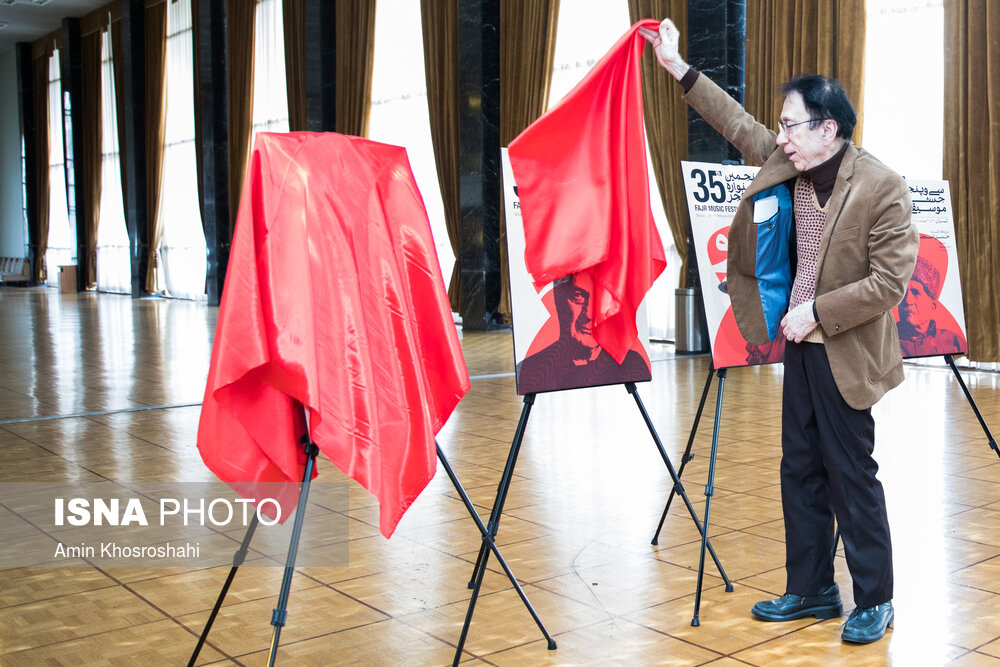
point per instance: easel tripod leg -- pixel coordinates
(504, 486)
(280, 612)
(678, 487)
(488, 544)
(687, 452)
(709, 492)
(975, 408)
(238, 559)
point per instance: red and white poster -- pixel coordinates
(554, 345)
(930, 319)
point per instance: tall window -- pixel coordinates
(270, 99)
(182, 250)
(904, 85)
(60, 250)
(113, 259)
(586, 30)
(399, 113)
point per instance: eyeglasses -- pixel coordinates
(787, 126)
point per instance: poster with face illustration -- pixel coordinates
(554, 346)
(930, 319)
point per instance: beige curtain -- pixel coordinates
(293, 20)
(90, 53)
(790, 37)
(40, 226)
(666, 118)
(156, 100)
(971, 147)
(355, 44)
(240, 19)
(527, 50)
(439, 22)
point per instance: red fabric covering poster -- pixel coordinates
(584, 193)
(333, 301)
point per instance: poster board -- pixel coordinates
(553, 345)
(933, 317)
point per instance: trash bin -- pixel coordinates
(691, 335)
(67, 279)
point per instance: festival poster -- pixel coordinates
(932, 322)
(713, 193)
(554, 347)
(930, 319)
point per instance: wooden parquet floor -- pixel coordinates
(104, 387)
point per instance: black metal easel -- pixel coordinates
(488, 535)
(678, 488)
(975, 408)
(238, 559)
(709, 485)
(687, 456)
(490, 530)
(709, 492)
(279, 614)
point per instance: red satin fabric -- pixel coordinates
(333, 300)
(584, 192)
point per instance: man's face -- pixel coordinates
(917, 307)
(578, 299)
(805, 147)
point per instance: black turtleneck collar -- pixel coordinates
(824, 176)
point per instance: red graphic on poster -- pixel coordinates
(926, 327)
(564, 353)
(730, 348)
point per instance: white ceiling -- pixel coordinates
(27, 20)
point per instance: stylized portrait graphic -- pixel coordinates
(554, 344)
(925, 326)
(565, 355)
(729, 348)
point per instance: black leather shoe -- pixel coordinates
(790, 607)
(868, 624)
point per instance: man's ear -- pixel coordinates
(830, 128)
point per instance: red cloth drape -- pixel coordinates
(584, 192)
(333, 300)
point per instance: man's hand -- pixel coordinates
(798, 322)
(665, 46)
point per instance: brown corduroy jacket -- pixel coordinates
(866, 254)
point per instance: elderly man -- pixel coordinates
(820, 251)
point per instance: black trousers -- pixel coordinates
(827, 470)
